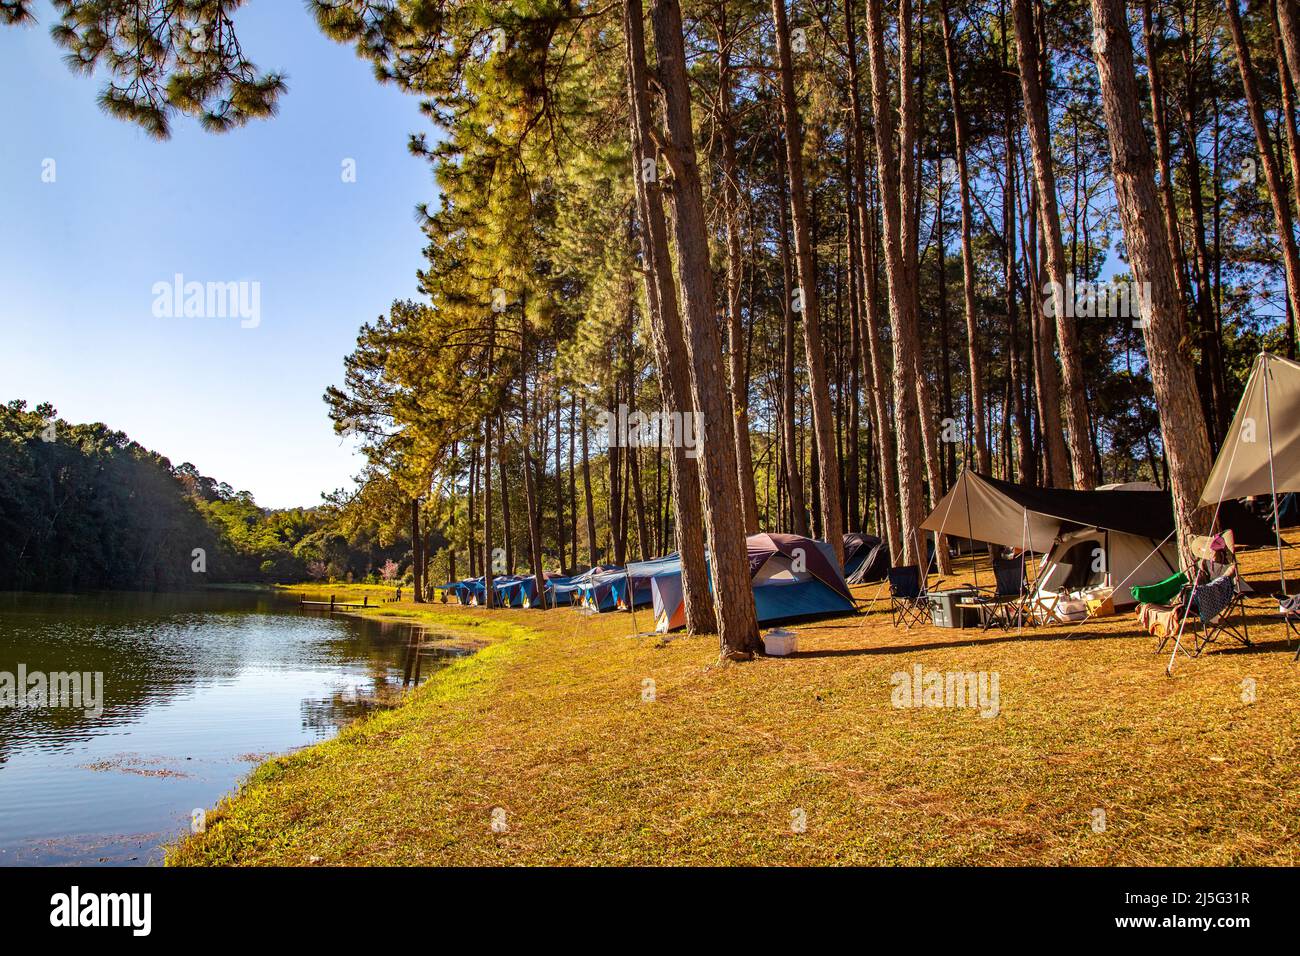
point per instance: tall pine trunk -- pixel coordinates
(815, 353)
(667, 334)
(791, 458)
(724, 520)
(902, 297)
(1277, 192)
(1038, 123)
(739, 378)
(1182, 425)
(417, 556)
(876, 374)
(983, 461)
(593, 548)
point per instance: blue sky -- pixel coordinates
(79, 257)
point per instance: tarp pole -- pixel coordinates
(1272, 481)
(631, 598)
(1024, 534)
(938, 536)
(965, 490)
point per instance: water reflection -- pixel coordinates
(194, 684)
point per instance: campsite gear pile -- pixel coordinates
(1097, 545)
(1089, 539)
(1113, 548)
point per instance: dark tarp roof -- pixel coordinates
(1148, 513)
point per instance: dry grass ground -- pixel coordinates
(548, 723)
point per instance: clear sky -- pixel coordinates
(79, 257)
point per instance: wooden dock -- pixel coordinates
(332, 605)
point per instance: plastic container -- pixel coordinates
(779, 642)
(1071, 611)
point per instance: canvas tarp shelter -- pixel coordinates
(1089, 538)
(1261, 452)
(988, 509)
(1260, 455)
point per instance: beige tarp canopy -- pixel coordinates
(1015, 516)
(1268, 417)
(976, 509)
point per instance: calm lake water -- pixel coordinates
(197, 689)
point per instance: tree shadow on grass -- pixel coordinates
(993, 638)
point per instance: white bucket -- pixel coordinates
(779, 642)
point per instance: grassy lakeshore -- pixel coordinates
(548, 723)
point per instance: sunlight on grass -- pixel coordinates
(547, 725)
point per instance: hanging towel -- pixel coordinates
(1214, 597)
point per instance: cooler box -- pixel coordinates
(944, 610)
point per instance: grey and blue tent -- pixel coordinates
(792, 577)
(560, 591)
(513, 590)
(594, 589)
(636, 581)
(468, 591)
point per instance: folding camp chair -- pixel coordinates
(908, 601)
(1221, 595)
(1006, 605)
(1208, 603)
(1219, 606)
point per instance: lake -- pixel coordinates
(197, 689)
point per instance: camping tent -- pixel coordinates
(636, 578)
(791, 576)
(516, 590)
(1119, 538)
(468, 591)
(866, 558)
(595, 589)
(560, 591)
(607, 589)
(1094, 557)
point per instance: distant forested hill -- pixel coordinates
(84, 507)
